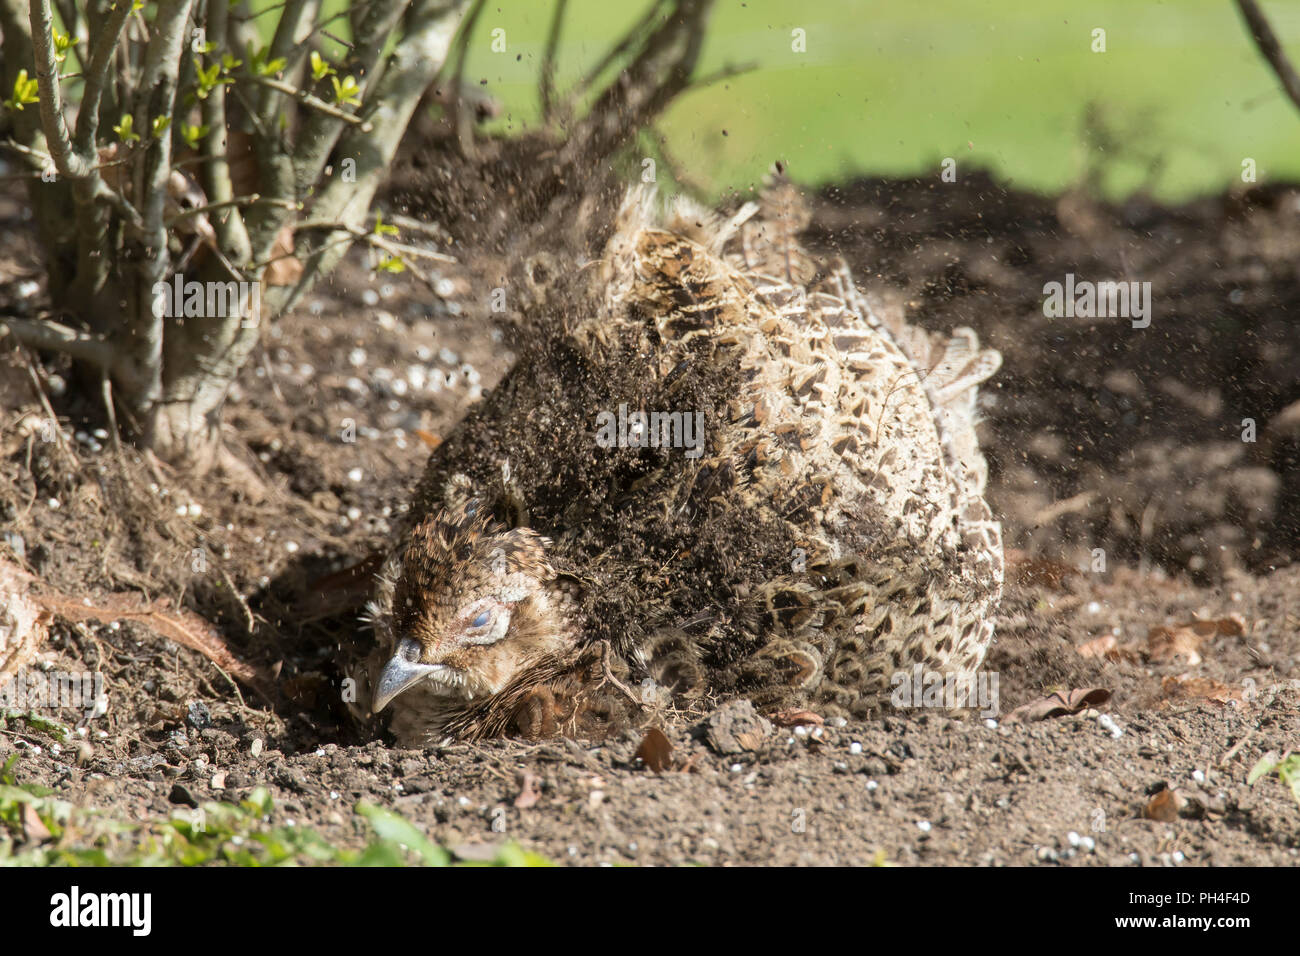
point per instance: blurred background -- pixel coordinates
(890, 87)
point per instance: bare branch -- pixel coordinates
(101, 63)
(415, 61)
(314, 102)
(546, 78)
(1269, 46)
(66, 159)
(51, 336)
(232, 235)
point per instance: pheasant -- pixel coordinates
(821, 528)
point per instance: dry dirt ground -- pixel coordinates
(1129, 497)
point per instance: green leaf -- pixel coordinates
(320, 68)
(25, 91)
(346, 92)
(1265, 765)
(193, 135)
(125, 129)
(390, 827)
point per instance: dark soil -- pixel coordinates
(1128, 497)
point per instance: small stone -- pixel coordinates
(198, 716)
(181, 795)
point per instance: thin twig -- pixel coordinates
(546, 77)
(52, 336)
(314, 102)
(1269, 46)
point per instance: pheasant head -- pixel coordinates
(464, 607)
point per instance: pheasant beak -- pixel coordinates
(400, 673)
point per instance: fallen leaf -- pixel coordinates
(796, 718)
(1107, 647)
(429, 438)
(1164, 806)
(284, 268)
(655, 750)
(1060, 704)
(1167, 642)
(34, 829)
(530, 790)
(1184, 685)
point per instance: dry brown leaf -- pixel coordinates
(1164, 806)
(34, 829)
(655, 750)
(1167, 642)
(182, 626)
(429, 438)
(1184, 685)
(284, 268)
(1060, 704)
(1107, 647)
(530, 790)
(796, 718)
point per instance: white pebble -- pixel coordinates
(1107, 723)
(923, 826)
(54, 503)
(355, 475)
(855, 748)
(357, 358)
(447, 357)
(370, 297)
(291, 546)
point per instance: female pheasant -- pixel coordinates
(716, 468)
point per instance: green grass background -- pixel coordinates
(894, 86)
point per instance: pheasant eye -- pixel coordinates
(480, 620)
